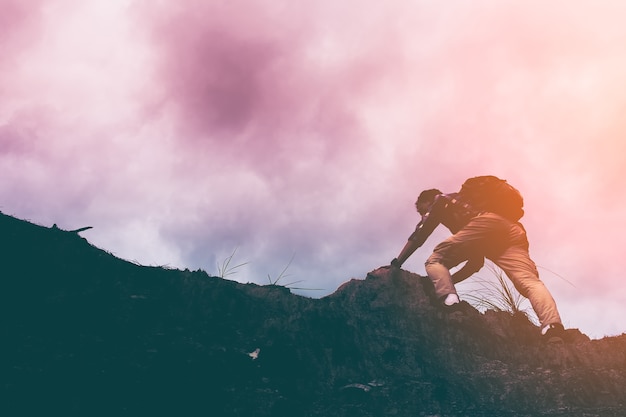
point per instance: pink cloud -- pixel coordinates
(18, 25)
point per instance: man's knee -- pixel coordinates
(435, 268)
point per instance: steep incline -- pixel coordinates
(86, 333)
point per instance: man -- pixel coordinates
(477, 235)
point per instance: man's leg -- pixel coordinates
(440, 276)
(522, 271)
(474, 239)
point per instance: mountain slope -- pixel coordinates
(87, 333)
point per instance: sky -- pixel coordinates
(293, 137)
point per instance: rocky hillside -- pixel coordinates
(87, 334)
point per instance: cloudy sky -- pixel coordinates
(186, 130)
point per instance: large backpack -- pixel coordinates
(490, 193)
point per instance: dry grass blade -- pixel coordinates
(225, 269)
(497, 293)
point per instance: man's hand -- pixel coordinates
(395, 263)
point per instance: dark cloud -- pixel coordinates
(243, 81)
(220, 82)
(219, 74)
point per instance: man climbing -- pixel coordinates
(478, 233)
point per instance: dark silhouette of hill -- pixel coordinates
(85, 333)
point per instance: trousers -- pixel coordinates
(504, 243)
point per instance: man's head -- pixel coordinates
(425, 200)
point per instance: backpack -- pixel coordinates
(490, 193)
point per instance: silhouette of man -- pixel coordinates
(477, 235)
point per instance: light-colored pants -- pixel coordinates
(504, 243)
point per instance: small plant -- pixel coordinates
(283, 274)
(499, 295)
(225, 269)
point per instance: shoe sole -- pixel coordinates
(555, 340)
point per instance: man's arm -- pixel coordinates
(410, 247)
(423, 230)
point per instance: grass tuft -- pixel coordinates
(226, 269)
(499, 294)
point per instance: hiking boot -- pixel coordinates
(553, 333)
(452, 306)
